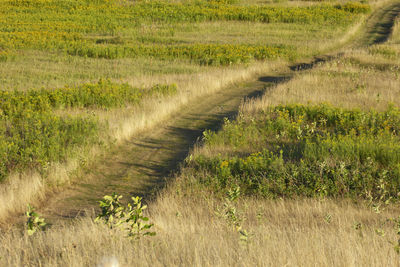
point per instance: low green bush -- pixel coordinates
(32, 134)
(355, 7)
(308, 151)
(129, 218)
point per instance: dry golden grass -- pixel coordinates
(190, 233)
(38, 69)
(361, 78)
(126, 122)
(356, 80)
(395, 36)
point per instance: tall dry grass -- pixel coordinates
(190, 233)
(395, 37)
(356, 80)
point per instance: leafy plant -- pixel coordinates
(129, 218)
(396, 245)
(135, 220)
(380, 198)
(233, 216)
(229, 210)
(112, 211)
(328, 218)
(34, 223)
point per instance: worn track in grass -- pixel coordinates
(142, 165)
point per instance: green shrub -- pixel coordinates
(32, 134)
(31, 138)
(355, 7)
(129, 218)
(3, 55)
(34, 223)
(308, 151)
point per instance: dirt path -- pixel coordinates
(142, 165)
(380, 24)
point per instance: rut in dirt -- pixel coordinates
(143, 165)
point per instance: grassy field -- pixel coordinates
(308, 174)
(68, 46)
(141, 46)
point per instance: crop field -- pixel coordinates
(307, 173)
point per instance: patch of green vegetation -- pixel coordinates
(310, 151)
(4, 55)
(204, 54)
(57, 25)
(32, 135)
(354, 7)
(103, 94)
(129, 218)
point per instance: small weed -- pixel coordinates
(129, 218)
(34, 223)
(381, 198)
(135, 220)
(396, 244)
(112, 211)
(229, 210)
(233, 216)
(328, 218)
(357, 226)
(380, 232)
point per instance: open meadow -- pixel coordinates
(306, 173)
